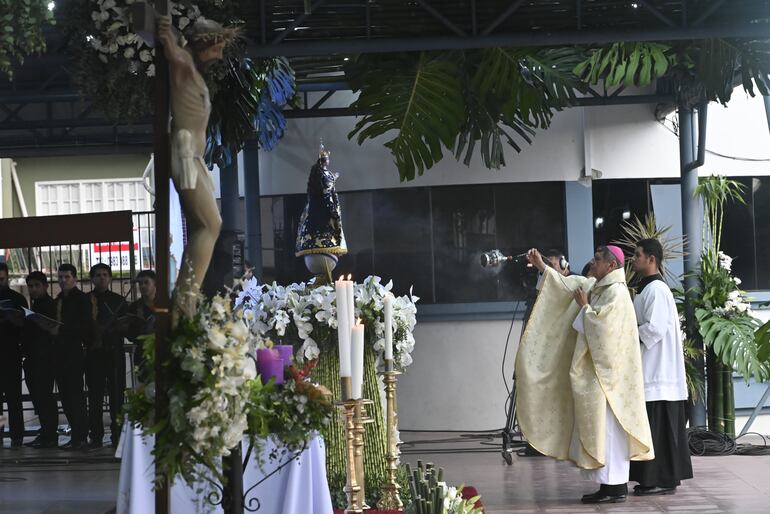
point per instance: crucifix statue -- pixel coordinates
(190, 109)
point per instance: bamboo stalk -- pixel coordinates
(729, 402)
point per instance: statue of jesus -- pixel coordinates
(190, 109)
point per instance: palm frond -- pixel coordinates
(418, 97)
(628, 64)
(635, 229)
(696, 385)
(530, 83)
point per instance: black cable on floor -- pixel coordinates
(706, 443)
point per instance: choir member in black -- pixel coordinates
(105, 358)
(73, 311)
(11, 320)
(141, 315)
(37, 346)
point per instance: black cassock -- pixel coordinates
(672, 453)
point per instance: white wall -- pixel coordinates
(624, 142)
(556, 154)
(455, 381)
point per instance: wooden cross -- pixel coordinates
(144, 18)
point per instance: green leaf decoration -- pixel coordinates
(419, 97)
(627, 64)
(22, 31)
(735, 344)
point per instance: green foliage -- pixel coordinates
(627, 64)
(715, 191)
(696, 386)
(700, 71)
(733, 341)
(635, 229)
(431, 495)
(291, 413)
(418, 98)
(22, 31)
(458, 100)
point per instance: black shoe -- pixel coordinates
(45, 444)
(17, 443)
(74, 445)
(602, 497)
(95, 444)
(653, 490)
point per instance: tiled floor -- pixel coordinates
(53, 482)
(732, 484)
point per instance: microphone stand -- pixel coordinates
(512, 437)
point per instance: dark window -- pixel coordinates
(761, 205)
(614, 202)
(402, 240)
(744, 234)
(429, 239)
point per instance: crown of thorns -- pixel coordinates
(211, 32)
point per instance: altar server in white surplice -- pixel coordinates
(580, 392)
(665, 386)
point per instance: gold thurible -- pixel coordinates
(390, 499)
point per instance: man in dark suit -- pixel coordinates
(11, 320)
(142, 315)
(105, 359)
(73, 311)
(37, 347)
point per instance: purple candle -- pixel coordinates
(269, 365)
(286, 351)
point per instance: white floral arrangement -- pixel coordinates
(737, 302)
(113, 38)
(209, 381)
(305, 316)
(454, 503)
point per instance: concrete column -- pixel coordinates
(692, 224)
(253, 211)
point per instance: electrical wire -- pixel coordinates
(705, 443)
(712, 152)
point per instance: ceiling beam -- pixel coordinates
(544, 38)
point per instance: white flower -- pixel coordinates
(725, 261)
(183, 22)
(145, 55)
(129, 52)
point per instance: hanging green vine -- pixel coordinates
(22, 31)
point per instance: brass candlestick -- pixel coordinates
(391, 499)
(351, 409)
(362, 419)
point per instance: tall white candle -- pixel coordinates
(351, 301)
(388, 313)
(357, 358)
(343, 328)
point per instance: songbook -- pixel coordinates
(41, 320)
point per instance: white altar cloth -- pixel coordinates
(299, 487)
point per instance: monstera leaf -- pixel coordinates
(733, 341)
(248, 102)
(416, 95)
(628, 64)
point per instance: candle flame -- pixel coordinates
(342, 277)
(350, 276)
(358, 321)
